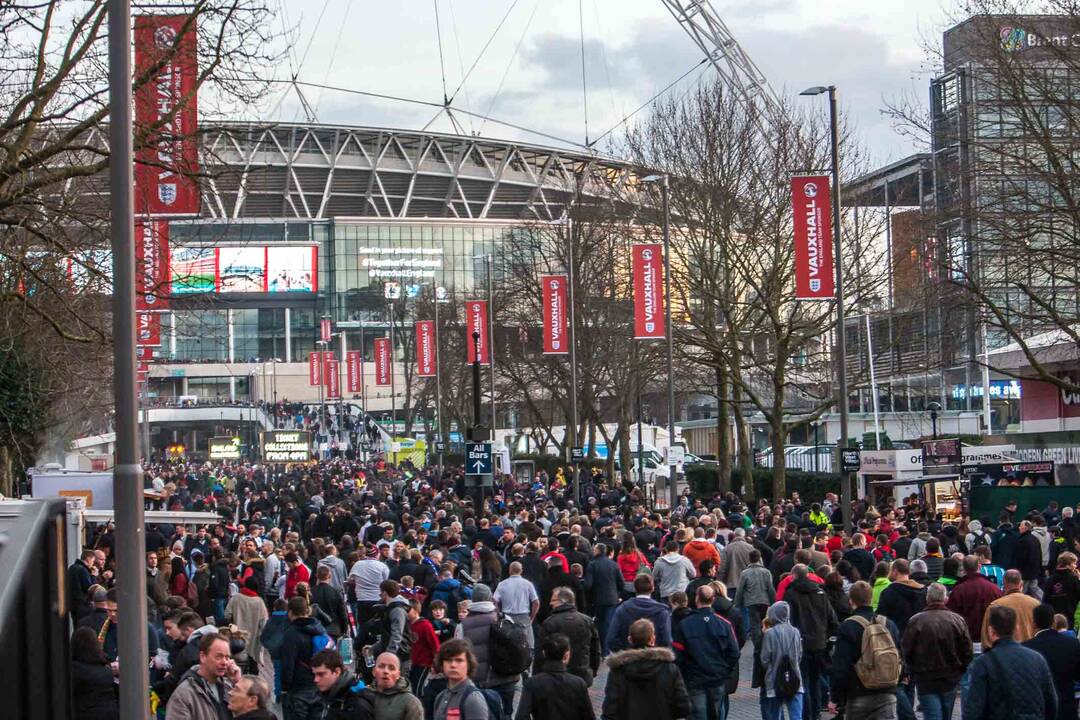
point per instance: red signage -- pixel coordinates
(648, 271)
(476, 321)
(151, 264)
(353, 376)
(166, 116)
(382, 361)
(325, 329)
(327, 356)
(811, 207)
(314, 369)
(333, 380)
(426, 352)
(553, 289)
(144, 353)
(148, 329)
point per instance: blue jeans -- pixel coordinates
(937, 706)
(810, 670)
(219, 610)
(773, 708)
(603, 621)
(708, 704)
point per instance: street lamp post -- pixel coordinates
(322, 345)
(673, 489)
(128, 473)
(841, 335)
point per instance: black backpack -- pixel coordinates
(508, 647)
(786, 684)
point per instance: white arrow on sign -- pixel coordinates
(478, 466)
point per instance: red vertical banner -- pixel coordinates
(648, 274)
(148, 329)
(151, 264)
(476, 321)
(325, 329)
(144, 354)
(553, 289)
(327, 356)
(382, 361)
(314, 369)
(166, 115)
(811, 207)
(333, 380)
(352, 371)
(426, 352)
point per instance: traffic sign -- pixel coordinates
(577, 454)
(440, 447)
(478, 458)
(676, 454)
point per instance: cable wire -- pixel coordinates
(509, 65)
(483, 50)
(584, 88)
(650, 101)
(442, 65)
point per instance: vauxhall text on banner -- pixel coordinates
(151, 264)
(333, 380)
(166, 116)
(382, 361)
(426, 352)
(812, 218)
(352, 371)
(553, 291)
(476, 321)
(325, 329)
(148, 329)
(648, 274)
(314, 369)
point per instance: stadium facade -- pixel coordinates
(302, 221)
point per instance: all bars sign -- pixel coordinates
(811, 207)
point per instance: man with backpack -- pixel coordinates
(304, 637)
(815, 620)
(500, 646)
(866, 665)
(394, 636)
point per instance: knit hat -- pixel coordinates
(481, 593)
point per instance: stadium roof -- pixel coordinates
(311, 171)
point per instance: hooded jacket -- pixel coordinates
(700, 549)
(397, 703)
(779, 641)
(900, 601)
(633, 609)
(297, 647)
(976, 536)
(811, 613)
(672, 573)
(347, 699)
(644, 684)
(476, 628)
(395, 636)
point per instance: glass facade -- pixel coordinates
(356, 260)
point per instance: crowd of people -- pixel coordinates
(347, 589)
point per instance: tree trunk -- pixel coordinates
(745, 447)
(7, 483)
(776, 430)
(723, 427)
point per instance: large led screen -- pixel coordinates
(246, 269)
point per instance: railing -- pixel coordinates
(802, 461)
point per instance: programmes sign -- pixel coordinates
(811, 208)
(286, 446)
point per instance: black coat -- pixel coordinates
(330, 602)
(1062, 654)
(556, 578)
(93, 692)
(645, 684)
(554, 694)
(603, 580)
(811, 613)
(1028, 557)
(584, 641)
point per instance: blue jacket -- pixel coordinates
(1010, 681)
(706, 649)
(634, 609)
(273, 634)
(296, 650)
(450, 591)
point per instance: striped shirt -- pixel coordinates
(995, 573)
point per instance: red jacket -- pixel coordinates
(970, 597)
(699, 550)
(300, 574)
(424, 645)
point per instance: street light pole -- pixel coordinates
(490, 260)
(128, 473)
(841, 334)
(438, 382)
(573, 356)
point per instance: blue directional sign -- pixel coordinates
(478, 458)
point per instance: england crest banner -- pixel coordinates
(314, 369)
(151, 264)
(426, 352)
(476, 321)
(382, 361)
(147, 329)
(353, 378)
(553, 290)
(812, 218)
(333, 380)
(648, 274)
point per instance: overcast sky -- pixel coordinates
(531, 73)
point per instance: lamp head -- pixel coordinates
(815, 90)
